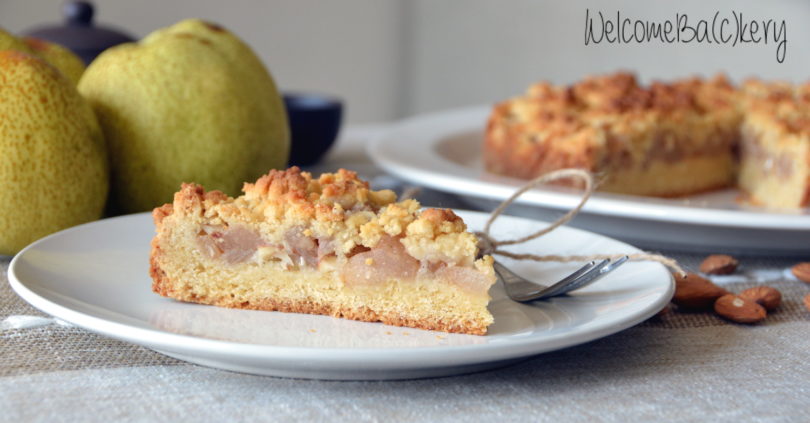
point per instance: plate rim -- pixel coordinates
(459, 179)
(405, 357)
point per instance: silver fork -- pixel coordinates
(522, 290)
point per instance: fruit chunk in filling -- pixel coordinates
(780, 165)
(236, 244)
(233, 244)
(388, 260)
(302, 249)
(465, 277)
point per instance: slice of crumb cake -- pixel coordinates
(322, 246)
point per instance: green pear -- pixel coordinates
(60, 57)
(188, 103)
(53, 162)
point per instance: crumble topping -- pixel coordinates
(620, 93)
(335, 214)
(440, 236)
(778, 106)
(297, 195)
(613, 119)
(616, 109)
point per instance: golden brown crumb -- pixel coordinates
(323, 198)
(621, 93)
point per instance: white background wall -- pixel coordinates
(471, 52)
(393, 58)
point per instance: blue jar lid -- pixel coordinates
(79, 34)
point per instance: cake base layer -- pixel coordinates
(659, 178)
(672, 178)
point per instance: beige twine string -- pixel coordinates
(489, 245)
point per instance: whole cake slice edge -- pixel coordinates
(330, 246)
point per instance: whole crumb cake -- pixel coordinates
(665, 139)
(328, 246)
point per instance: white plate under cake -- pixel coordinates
(96, 277)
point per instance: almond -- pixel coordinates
(696, 292)
(802, 271)
(719, 264)
(738, 309)
(807, 301)
(767, 297)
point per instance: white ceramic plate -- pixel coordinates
(96, 276)
(443, 151)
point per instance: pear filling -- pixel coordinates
(363, 266)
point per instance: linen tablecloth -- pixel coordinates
(674, 367)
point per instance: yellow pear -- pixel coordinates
(64, 60)
(60, 57)
(189, 103)
(53, 163)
